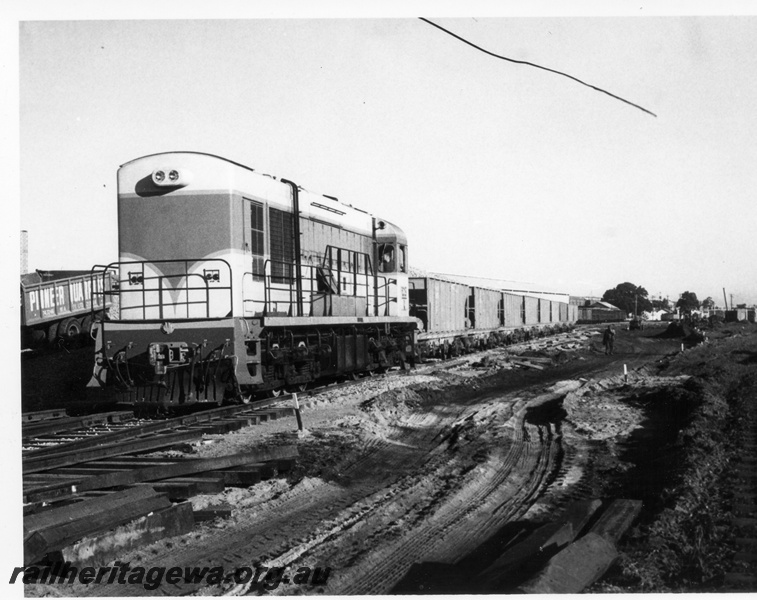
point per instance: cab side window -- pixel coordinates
(386, 258)
(403, 259)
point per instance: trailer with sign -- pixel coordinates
(61, 305)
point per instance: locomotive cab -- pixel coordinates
(391, 264)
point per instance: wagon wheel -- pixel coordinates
(86, 325)
(275, 392)
(38, 336)
(69, 329)
(298, 388)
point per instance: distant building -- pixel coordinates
(739, 314)
(657, 315)
(596, 311)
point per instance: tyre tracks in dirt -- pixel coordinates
(443, 510)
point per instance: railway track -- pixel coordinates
(63, 457)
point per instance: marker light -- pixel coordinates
(173, 175)
(158, 176)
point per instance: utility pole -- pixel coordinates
(725, 299)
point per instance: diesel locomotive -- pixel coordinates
(233, 284)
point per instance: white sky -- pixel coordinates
(492, 168)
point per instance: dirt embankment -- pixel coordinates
(686, 540)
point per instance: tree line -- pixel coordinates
(635, 300)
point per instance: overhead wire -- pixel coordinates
(530, 64)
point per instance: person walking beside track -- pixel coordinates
(608, 339)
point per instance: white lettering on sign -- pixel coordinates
(32, 302)
(77, 291)
(48, 301)
(60, 293)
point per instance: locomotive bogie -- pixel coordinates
(299, 353)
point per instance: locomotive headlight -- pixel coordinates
(171, 177)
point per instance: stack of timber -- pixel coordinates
(101, 514)
(90, 492)
(564, 556)
(43, 415)
(531, 362)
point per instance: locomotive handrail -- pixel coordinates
(106, 291)
(360, 282)
(285, 282)
(385, 286)
(144, 289)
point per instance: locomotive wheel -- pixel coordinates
(298, 388)
(274, 393)
(69, 329)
